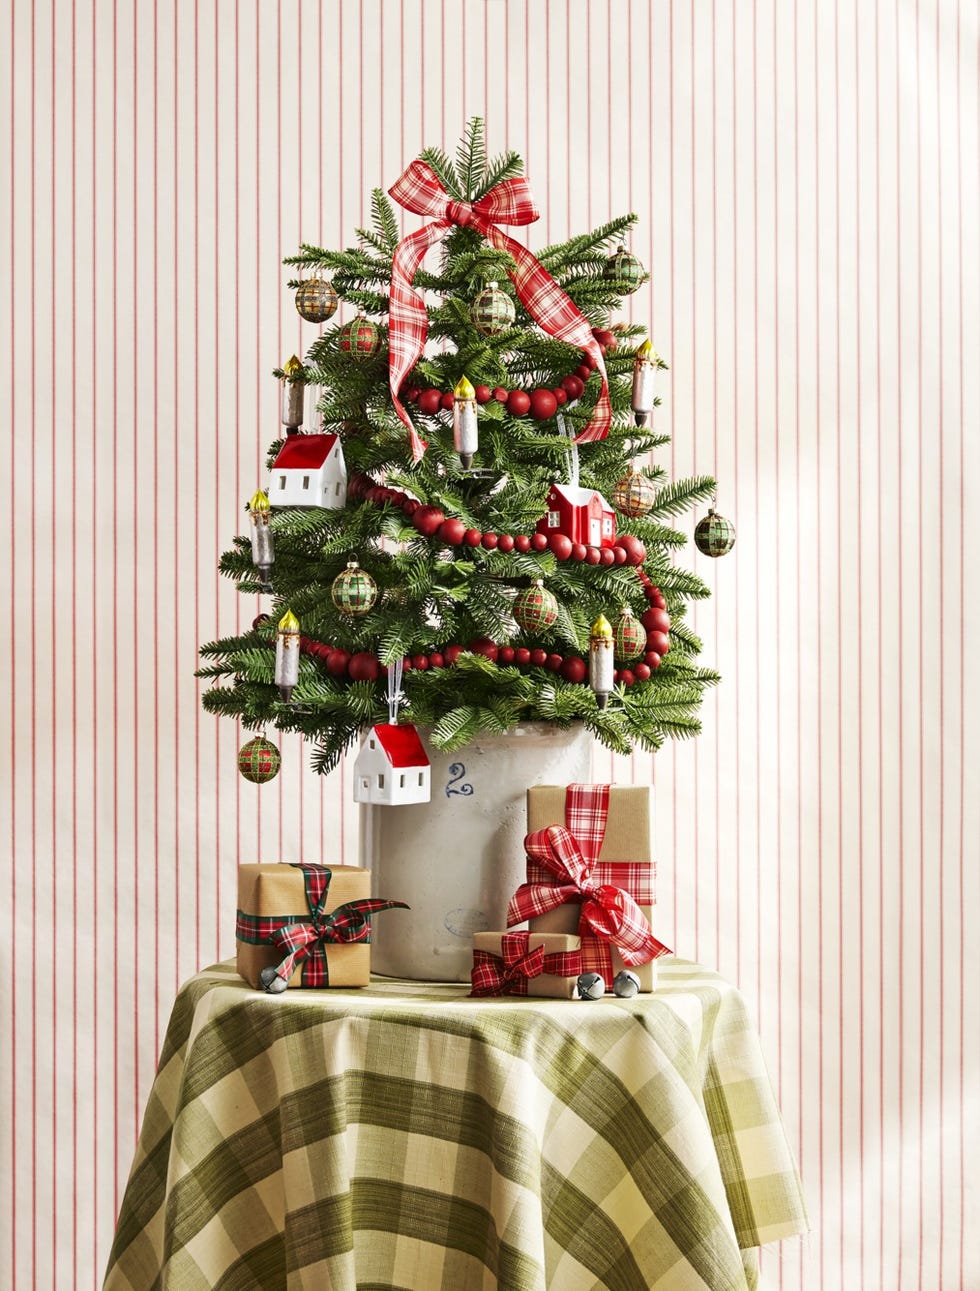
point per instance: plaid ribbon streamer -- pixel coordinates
(610, 913)
(509, 972)
(508, 202)
(303, 940)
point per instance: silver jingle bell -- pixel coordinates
(626, 985)
(270, 981)
(590, 986)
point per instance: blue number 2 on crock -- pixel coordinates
(456, 772)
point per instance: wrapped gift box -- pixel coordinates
(625, 861)
(276, 894)
(561, 950)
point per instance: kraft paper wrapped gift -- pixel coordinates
(272, 896)
(625, 860)
(500, 964)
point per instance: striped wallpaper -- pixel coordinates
(807, 183)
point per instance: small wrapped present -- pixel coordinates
(526, 963)
(579, 877)
(305, 925)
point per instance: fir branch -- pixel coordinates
(444, 169)
(471, 158)
(678, 497)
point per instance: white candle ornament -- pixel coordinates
(601, 666)
(644, 371)
(287, 655)
(466, 439)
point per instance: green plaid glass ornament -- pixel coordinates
(629, 636)
(624, 267)
(358, 338)
(354, 591)
(634, 494)
(259, 760)
(492, 312)
(535, 608)
(714, 535)
(316, 300)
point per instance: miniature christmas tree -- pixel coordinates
(443, 514)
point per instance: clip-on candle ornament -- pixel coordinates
(287, 655)
(466, 438)
(601, 666)
(292, 395)
(263, 550)
(644, 371)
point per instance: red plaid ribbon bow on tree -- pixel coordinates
(570, 854)
(509, 972)
(302, 941)
(508, 202)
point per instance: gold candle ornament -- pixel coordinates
(466, 438)
(287, 655)
(263, 552)
(644, 371)
(601, 666)
(293, 394)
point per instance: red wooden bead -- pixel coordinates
(421, 662)
(430, 401)
(259, 620)
(583, 372)
(518, 402)
(472, 537)
(505, 542)
(560, 545)
(636, 552)
(652, 658)
(539, 657)
(522, 656)
(543, 404)
(483, 394)
(607, 556)
(655, 620)
(364, 666)
(561, 396)
(505, 654)
(500, 394)
(452, 531)
(410, 506)
(486, 647)
(579, 551)
(573, 385)
(619, 554)
(660, 600)
(427, 520)
(447, 400)
(412, 393)
(553, 662)
(539, 541)
(436, 660)
(522, 542)
(641, 671)
(658, 641)
(337, 661)
(490, 541)
(593, 555)
(452, 653)
(574, 669)
(605, 338)
(626, 677)
(407, 663)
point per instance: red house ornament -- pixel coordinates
(583, 515)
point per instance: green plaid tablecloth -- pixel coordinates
(406, 1136)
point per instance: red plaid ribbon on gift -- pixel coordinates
(609, 913)
(509, 972)
(303, 940)
(509, 202)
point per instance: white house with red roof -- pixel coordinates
(583, 515)
(392, 767)
(309, 472)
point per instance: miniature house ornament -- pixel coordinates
(583, 515)
(392, 768)
(309, 471)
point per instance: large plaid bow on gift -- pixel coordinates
(509, 202)
(609, 912)
(509, 972)
(302, 940)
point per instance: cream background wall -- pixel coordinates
(806, 180)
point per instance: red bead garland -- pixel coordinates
(540, 403)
